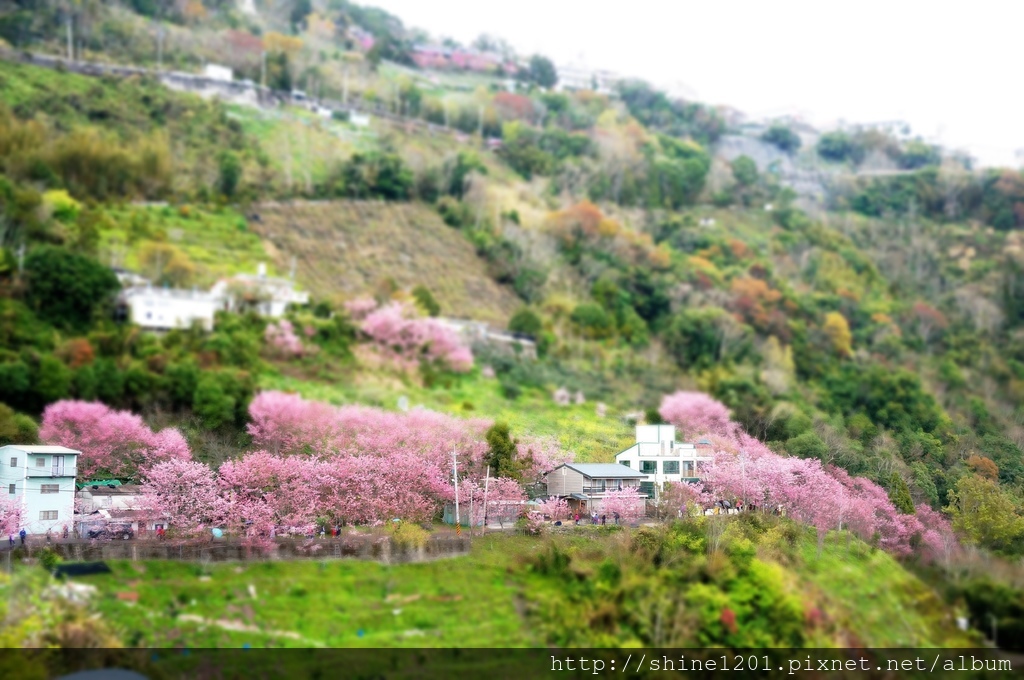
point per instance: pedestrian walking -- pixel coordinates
(10, 539)
(22, 534)
(604, 520)
(65, 532)
(577, 518)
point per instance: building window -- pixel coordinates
(649, 467)
(49, 488)
(45, 515)
(13, 488)
(671, 467)
(40, 461)
(14, 462)
(688, 469)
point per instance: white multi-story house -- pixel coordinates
(41, 479)
(162, 309)
(267, 295)
(660, 458)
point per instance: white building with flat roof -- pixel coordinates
(162, 309)
(660, 458)
(41, 479)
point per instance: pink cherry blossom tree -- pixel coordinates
(11, 510)
(695, 414)
(554, 508)
(282, 341)
(261, 492)
(681, 499)
(628, 503)
(399, 333)
(112, 443)
(285, 423)
(545, 453)
(504, 500)
(182, 492)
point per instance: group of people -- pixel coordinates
(10, 538)
(727, 508)
(595, 519)
(23, 535)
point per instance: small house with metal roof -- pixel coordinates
(585, 485)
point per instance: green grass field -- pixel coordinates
(218, 242)
(498, 596)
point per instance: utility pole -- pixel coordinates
(455, 471)
(344, 86)
(263, 69)
(487, 480)
(71, 42)
(160, 47)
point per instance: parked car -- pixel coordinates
(109, 531)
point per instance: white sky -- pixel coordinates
(948, 68)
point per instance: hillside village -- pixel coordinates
(275, 273)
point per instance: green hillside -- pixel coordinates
(881, 332)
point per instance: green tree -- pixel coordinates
(986, 515)
(65, 288)
(899, 494)
(807, 445)
(593, 320)
(230, 168)
(502, 453)
(744, 169)
(699, 338)
(16, 428)
(839, 147)
(782, 137)
(211, 403)
(425, 299)
(525, 321)
(541, 72)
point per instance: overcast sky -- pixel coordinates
(949, 69)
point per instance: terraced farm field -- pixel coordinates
(349, 247)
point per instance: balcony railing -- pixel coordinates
(50, 471)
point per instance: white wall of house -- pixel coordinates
(660, 457)
(266, 295)
(42, 479)
(168, 308)
(216, 72)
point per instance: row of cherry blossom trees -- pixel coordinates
(744, 469)
(314, 463)
(261, 493)
(286, 424)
